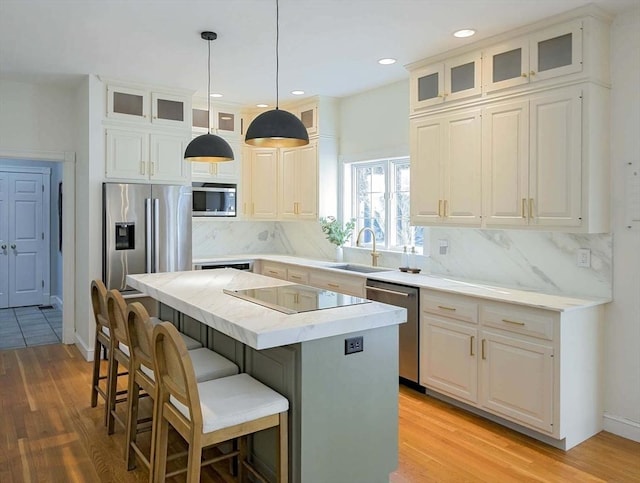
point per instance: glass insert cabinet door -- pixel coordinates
(448, 81)
(549, 53)
(169, 110)
(127, 104)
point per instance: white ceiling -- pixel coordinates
(327, 47)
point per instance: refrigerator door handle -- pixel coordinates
(156, 234)
(147, 242)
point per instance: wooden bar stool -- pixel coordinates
(119, 355)
(211, 412)
(207, 365)
(102, 343)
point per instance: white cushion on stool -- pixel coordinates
(234, 400)
(207, 365)
(190, 343)
(124, 348)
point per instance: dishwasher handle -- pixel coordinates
(386, 290)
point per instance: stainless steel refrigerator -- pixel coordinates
(146, 229)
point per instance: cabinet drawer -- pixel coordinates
(275, 271)
(298, 276)
(336, 283)
(453, 306)
(533, 322)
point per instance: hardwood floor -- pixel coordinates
(49, 433)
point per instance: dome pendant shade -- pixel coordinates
(208, 148)
(277, 129)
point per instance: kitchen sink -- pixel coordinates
(361, 268)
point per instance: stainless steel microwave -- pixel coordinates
(214, 199)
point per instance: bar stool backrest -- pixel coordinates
(139, 331)
(175, 375)
(98, 303)
(116, 310)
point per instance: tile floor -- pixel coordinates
(29, 326)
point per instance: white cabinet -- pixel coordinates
(445, 169)
(144, 156)
(307, 177)
(517, 380)
(299, 182)
(450, 360)
(552, 52)
(225, 120)
(532, 160)
(260, 183)
(126, 103)
(454, 79)
(223, 172)
(346, 284)
(535, 367)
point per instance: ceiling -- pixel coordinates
(327, 47)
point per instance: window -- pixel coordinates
(377, 196)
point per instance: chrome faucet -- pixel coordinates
(374, 253)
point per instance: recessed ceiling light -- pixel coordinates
(297, 93)
(216, 95)
(262, 105)
(464, 33)
(387, 61)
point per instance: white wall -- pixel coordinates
(622, 372)
(375, 124)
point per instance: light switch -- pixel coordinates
(444, 246)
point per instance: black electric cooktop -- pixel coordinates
(293, 299)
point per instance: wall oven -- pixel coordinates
(214, 199)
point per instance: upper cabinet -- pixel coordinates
(225, 121)
(525, 148)
(552, 52)
(146, 132)
(306, 177)
(145, 105)
(451, 80)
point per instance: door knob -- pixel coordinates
(13, 246)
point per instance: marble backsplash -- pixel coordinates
(543, 261)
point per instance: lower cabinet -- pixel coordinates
(535, 367)
(315, 277)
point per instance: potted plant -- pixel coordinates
(336, 233)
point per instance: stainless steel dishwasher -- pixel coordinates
(409, 334)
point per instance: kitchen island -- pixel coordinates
(343, 423)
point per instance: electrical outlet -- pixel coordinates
(444, 246)
(584, 257)
(353, 345)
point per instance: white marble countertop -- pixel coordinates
(555, 302)
(199, 294)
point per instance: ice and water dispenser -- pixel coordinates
(125, 236)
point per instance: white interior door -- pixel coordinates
(4, 237)
(26, 244)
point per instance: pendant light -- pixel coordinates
(277, 128)
(208, 148)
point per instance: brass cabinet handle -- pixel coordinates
(530, 207)
(273, 272)
(524, 74)
(142, 168)
(213, 168)
(515, 322)
(439, 207)
(253, 208)
(471, 345)
(152, 168)
(524, 207)
(483, 353)
(333, 285)
(445, 208)
(532, 73)
(295, 277)
(444, 307)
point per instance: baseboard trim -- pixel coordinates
(56, 301)
(85, 349)
(622, 427)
